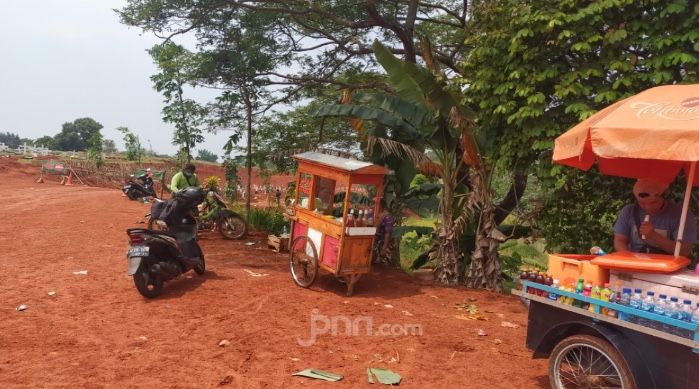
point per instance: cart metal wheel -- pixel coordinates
(303, 261)
(585, 361)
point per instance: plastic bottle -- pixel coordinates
(609, 295)
(671, 308)
(596, 250)
(360, 219)
(686, 312)
(625, 296)
(636, 298)
(595, 293)
(285, 231)
(587, 292)
(660, 305)
(648, 302)
(554, 296)
(695, 315)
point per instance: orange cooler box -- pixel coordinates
(569, 268)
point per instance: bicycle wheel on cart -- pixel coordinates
(303, 261)
(585, 361)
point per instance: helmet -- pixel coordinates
(190, 196)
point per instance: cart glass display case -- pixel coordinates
(333, 217)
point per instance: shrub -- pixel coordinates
(268, 219)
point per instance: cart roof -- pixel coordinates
(339, 163)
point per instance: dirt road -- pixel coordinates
(97, 331)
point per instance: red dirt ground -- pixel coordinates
(97, 331)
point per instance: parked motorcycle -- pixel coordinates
(158, 256)
(228, 223)
(141, 186)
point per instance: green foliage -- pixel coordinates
(581, 213)
(134, 152)
(46, 141)
(175, 64)
(230, 167)
(206, 155)
(76, 136)
(412, 245)
(108, 146)
(537, 68)
(94, 150)
(10, 140)
(270, 220)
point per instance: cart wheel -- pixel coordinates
(585, 361)
(303, 261)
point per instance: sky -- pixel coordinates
(61, 60)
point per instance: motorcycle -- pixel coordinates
(155, 257)
(141, 186)
(228, 223)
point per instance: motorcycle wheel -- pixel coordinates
(147, 284)
(132, 194)
(232, 227)
(201, 268)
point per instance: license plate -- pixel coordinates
(139, 251)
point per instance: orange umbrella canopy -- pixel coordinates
(653, 134)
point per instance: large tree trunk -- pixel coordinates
(484, 269)
(446, 247)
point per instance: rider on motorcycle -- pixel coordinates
(183, 179)
(211, 207)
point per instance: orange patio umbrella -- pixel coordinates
(653, 134)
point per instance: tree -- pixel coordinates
(94, 150)
(186, 114)
(134, 151)
(206, 155)
(536, 69)
(76, 135)
(108, 146)
(322, 38)
(10, 140)
(46, 141)
(424, 114)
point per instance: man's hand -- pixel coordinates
(647, 230)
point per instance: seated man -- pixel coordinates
(652, 225)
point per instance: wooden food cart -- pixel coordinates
(333, 217)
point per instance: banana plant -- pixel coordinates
(424, 117)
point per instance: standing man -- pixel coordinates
(184, 178)
(652, 225)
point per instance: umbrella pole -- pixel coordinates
(685, 206)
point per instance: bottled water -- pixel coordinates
(635, 301)
(671, 309)
(686, 312)
(285, 231)
(554, 296)
(661, 304)
(695, 315)
(648, 302)
(625, 296)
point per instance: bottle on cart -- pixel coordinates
(595, 293)
(686, 312)
(285, 231)
(672, 308)
(586, 292)
(625, 296)
(554, 296)
(370, 217)
(695, 315)
(360, 219)
(648, 303)
(635, 300)
(660, 304)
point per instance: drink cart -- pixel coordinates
(333, 217)
(643, 343)
(588, 348)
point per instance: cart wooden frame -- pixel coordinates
(321, 235)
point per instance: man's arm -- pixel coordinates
(621, 242)
(667, 245)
